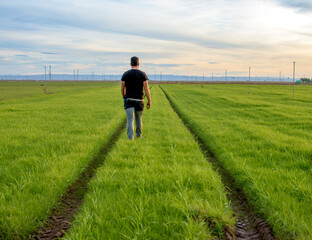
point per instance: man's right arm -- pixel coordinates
(147, 94)
(123, 88)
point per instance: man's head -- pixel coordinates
(134, 61)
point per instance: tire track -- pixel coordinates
(248, 226)
(63, 214)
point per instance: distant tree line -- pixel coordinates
(305, 80)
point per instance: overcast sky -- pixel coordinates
(172, 37)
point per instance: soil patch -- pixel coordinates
(63, 214)
(248, 224)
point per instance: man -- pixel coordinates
(132, 84)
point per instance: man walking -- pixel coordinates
(132, 84)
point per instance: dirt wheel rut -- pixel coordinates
(63, 214)
(248, 226)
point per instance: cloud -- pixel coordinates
(114, 17)
(302, 5)
(167, 65)
(48, 53)
(21, 55)
(304, 34)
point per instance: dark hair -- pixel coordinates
(134, 61)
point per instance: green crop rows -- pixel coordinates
(264, 139)
(158, 187)
(45, 143)
(161, 186)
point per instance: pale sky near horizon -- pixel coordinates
(172, 37)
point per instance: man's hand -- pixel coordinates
(148, 105)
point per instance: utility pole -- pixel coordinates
(280, 75)
(74, 78)
(294, 73)
(50, 74)
(249, 81)
(45, 80)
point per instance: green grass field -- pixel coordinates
(46, 141)
(161, 186)
(19, 89)
(264, 140)
(158, 187)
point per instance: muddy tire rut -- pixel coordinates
(249, 226)
(63, 214)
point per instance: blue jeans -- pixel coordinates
(138, 122)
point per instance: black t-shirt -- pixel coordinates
(134, 79)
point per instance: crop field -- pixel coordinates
(18, 89)
(160, 186)
(264, 139)
(45, 143)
